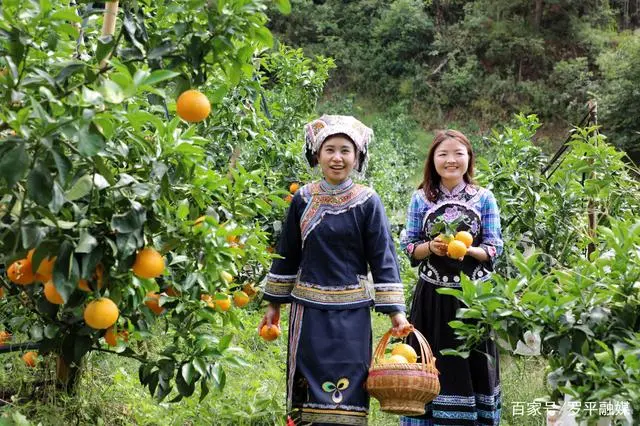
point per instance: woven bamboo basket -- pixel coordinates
(403, 388)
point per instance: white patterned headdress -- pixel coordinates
(321, 129)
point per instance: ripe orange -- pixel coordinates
(30, 358)
(5, 336)
(240, 298)
(51, 293)
(172, 291)
(20, 272)
(101, 313)
(97, 277)
(110, 336)
(232, 239)
(293, 188)
(249, 289)
(149, 263)
(405, 351)
(45, 268)
(456, 249)
(223, 304)
(193, 106)
(153, 302)
(397, 359)
(465, 237)
(270, 333)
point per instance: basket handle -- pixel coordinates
(425, 349)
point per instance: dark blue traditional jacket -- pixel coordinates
(331, 238)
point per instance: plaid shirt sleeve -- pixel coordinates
(491, 231)
(413, 232)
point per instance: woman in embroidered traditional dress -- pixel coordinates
(470, 388)
(334, 232)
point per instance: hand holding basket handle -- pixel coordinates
(403, 388)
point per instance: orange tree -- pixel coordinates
(96, 167)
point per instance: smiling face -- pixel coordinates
(336, 158)
(451, 161)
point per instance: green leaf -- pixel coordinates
(105, 46)
(112, 92)
(40, 184)
(284, 6)
(225, 342)
(264, 36)
(50, 331)
(14, 163)
(188, 372)
(62, 163)
(87, 243)
(80, 188)
(158, 76)
(200, 366)
(36, 332)
(90, 140)
(130, 221)
(65, 14)
(66, 271)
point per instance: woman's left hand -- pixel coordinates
(400, 326)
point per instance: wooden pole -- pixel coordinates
(109, 24)
(591, 207)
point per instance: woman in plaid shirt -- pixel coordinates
(470, 388)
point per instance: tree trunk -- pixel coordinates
(68, 376)
(537, 14)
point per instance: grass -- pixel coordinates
(110, 393)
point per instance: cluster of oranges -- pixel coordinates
(401, 354)
(222, 303)
(457, 245)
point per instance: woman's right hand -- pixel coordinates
(438, 246)
(272, 316)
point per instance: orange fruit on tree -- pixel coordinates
(270, 333)
(149, 263)
(101, 313)
(465, 237)
(20, 272)
(406, 351)
(51, 293)
(111, 337)
(222, 304)
(30, 358)
(240, 298)
(152, 300)
(5, 336)
(232, 239)
(293, 188)
(456, 249)
(193, 106)
(98, 277)
(172, 291)
(45, 268)
(249, 289)
(198, 221)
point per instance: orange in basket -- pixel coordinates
(403, 388)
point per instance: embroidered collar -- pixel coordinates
(455, 191)
(336, 189)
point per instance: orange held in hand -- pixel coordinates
(30, 358)
(193, 106)
(101, 313)
(465, 237)
(20, 272)
(456, 249)
(149, 263)
(270, 333)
